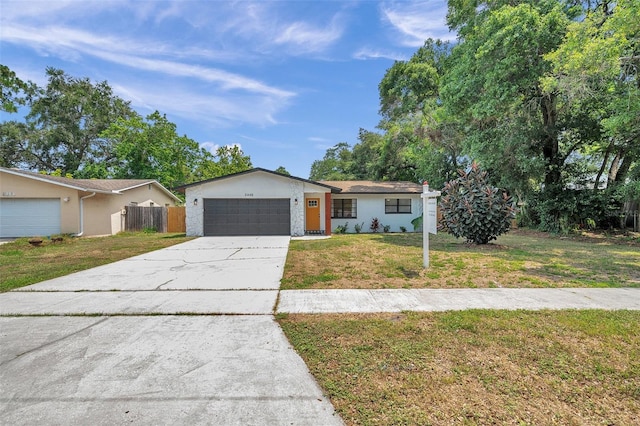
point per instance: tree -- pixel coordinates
(335, 165)
(227, 160)
(282, 171)
(13, 134)
(408, 86)
(595, 70)
(64, 125)
(494, 84)
(14, 92)
(420, 141)
(365, 161)
(150, 149)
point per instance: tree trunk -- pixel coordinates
(605, 160)
(623, 170)
(550, 148)
(614, 168)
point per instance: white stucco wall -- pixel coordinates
(250, 186)
(372, 205)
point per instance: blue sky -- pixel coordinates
(283, 79)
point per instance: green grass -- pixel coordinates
(22, 264)
(475, 367)
(517, 259)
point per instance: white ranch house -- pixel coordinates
(262, 202)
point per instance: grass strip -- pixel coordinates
(22, 264)
(475, 367)
(518, 259)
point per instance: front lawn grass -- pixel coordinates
(22, 264)
(475, 367)
(520, 258)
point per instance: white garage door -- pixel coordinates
(28, 217)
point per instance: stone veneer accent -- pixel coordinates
(195, 214)
(297, 211)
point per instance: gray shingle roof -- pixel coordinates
(373, 187)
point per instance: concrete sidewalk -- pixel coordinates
(370, 301)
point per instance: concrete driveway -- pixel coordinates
(104, 346)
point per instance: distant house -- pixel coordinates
(33, 204)
(262, 202)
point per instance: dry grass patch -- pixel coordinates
(517, 259)
(22, 264)
(475, 367)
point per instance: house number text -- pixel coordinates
(248, 194)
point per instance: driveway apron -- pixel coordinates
(105, 346)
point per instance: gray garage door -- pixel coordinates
(28, 217)
(247, 216)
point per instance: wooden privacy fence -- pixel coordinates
(176, 219)
(161, 219)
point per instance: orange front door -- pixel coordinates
(312, 213)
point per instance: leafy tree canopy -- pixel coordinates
(544, 94)
(78, 128)
(13, 91)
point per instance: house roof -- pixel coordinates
(254, 170)
(373, 187)
(103, 186)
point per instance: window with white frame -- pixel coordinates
(344, 208)
(397, 205)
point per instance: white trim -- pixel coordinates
(150, 182)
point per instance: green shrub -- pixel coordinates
(342, 229)
(386, 228)
(417, 223)
(403, 229)
(564, 210)
(358, 227)
(474, 209)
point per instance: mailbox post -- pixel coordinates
(429, 219)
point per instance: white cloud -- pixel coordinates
(69, 41)
(318, 139)
(418, 21)
(368, 53)
(265, 27)
(303, 37)
(73, 43)
(212, 147)
(48, 10)
(203, 106)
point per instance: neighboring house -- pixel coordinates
(262, 202)
(33, 204)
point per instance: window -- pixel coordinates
(312, 203)
(344, 208)
(397, 205)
